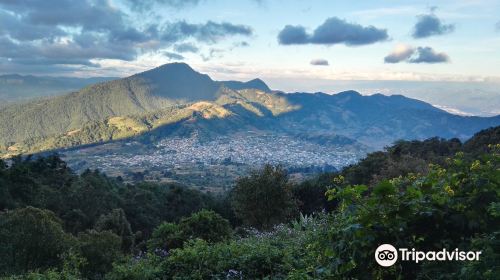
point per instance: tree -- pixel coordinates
(100, 250)
(311, 197)
(116, 222)
(166, 236)
(264, 198)
(206, 225)
(30, 238)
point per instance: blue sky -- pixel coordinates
(239, 39)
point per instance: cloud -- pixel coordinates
(332, 31)
(400, 53)
(410, 54)
(212, 53)
(319, 62)
(96, 15)
(291, 35)
(430, 25)
(186, 47)
(497, 26)
(67, 32)
(428, 55)
(209, 32)
(241, 44)
(173, 56)
(142, 5)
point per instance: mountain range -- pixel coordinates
(174, 99)
(15, 88)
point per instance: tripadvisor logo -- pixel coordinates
(387, 255)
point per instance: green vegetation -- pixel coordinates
(142, 93)
(174, 96)
(31, 238)
(264, 198)
(58, 225)
(205, 224)
(113, 126)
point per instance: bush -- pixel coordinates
(454, 208)
(206, 225)
(448, 208)
(166, 236)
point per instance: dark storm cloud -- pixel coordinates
(173, 56)
(68, 32)
(186, 47)
(333, 31)
(319, 62)
(410, 54)
(430, 25)
(428, 55)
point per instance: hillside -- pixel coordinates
(174, 97)
(417, 194)
(144, 92)
(378, 120)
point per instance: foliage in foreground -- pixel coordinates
(93, 227)
(457, 207)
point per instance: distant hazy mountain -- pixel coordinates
(15, 88)
(378, 120)
(479, 98)
(173, 99)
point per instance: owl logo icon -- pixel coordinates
(386, 255)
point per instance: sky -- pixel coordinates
(307, 42)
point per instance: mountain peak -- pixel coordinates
(348, 93)
(258, 84)
(252, 84)
(177, 68)
(178, 81)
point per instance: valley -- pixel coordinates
(217, 162)
(174, 124)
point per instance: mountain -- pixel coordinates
(378, 120)
(148, 91)
(252, 84)
(473, 98)
(173, 99)
(16, 88)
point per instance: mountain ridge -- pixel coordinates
(174, 89)
(20, 88)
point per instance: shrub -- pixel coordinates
(206, 225)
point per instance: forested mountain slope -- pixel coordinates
(174, 95)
